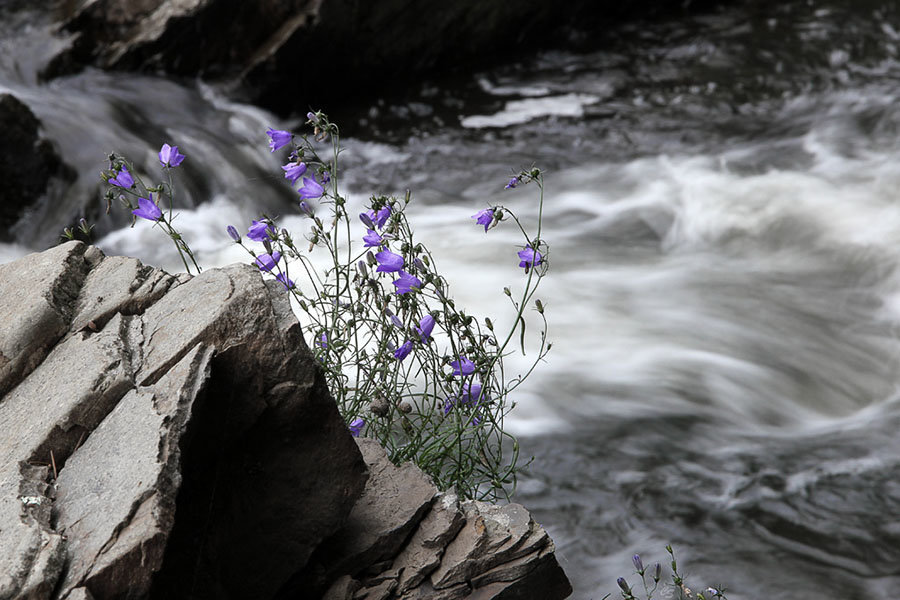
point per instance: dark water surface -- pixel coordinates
(724, 296)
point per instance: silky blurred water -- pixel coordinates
(723, 297)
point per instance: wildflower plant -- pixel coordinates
(406, 365)
(650, 580)
(127, 187)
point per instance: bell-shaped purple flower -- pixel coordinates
(426, 325)
(233, 232)
(322, 342)
(394, 319)
(372, 239)
(147, 209)
(294, 171)
(267, 262)
(356, 426)
(388, 262)
(463, 366)
(310, 189)
(404, 350)
(123, 179)
(512, 183)
(529, 257)
(384, 213)
(471, 394)
(260, 230)
(287, 283)
(407, 283)
(484, 217)
(278, 138)
(169, 156)
(367, 219)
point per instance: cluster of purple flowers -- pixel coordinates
(423, 331)
(294, 170)
(169, 157)
(388, 262)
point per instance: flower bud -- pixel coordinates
(306, 209)
(657, 570)
(507, 292)
(623, 584)
(361, 268)
(233, 232)
(370, 258)
(636, 559)
(540, 308)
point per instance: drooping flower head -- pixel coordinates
(406, 283)
(471, 394)
(384, 213)
(394, 319)
(367, 219)
(512, 183)
(372, 239)
(529, 257)
(356, 426)
(388, 262)
(484, 217)
(267, 262)
(169, 156)
(260, 230)
(294, 171)
(310, 189)
(287, 283)
(463, 366)
(123, 179)
(147, 209)
(306, 209)
(426, 325)
(404, 350)
(278, 138)
(233, 232)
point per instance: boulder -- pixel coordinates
(173, 436)
(405, 540)
(29, 164)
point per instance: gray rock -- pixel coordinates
(170, 432)
(422, 554)
(393, 503)
(40, 290)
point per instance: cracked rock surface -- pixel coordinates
(405, 540)
(163, 437)
(173, 438)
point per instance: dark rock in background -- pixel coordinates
(29, 164)
(324, 51)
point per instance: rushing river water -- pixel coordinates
(724, 295)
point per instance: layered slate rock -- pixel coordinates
(429, 545)
(167, 437)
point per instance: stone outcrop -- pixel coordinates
(164, 437)
(405, 540)
(29, 164)
(172, 437)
